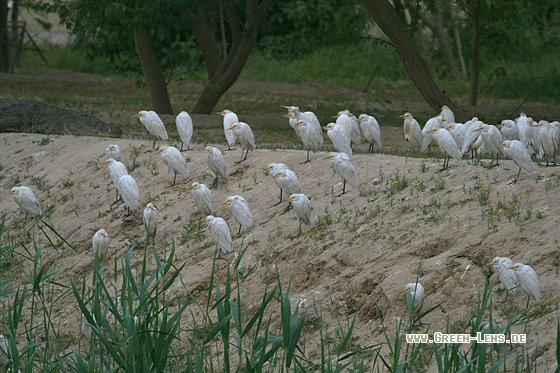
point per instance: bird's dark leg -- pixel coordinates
(528, 298)
(174, 177)
(241, 159)
(246, 153)
(519, 173)
(154, 144)
(308, 160)
(343, 188)
(280, 198)
(239, 231)
(181, 147)
(371, 147)
(215, 183)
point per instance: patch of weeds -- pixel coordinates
(67, 183)
(540, 214)
(44, 141)
(551, 180)
(191, 231)
(152, 165)
(439, 182)
(396, 183)
(133, 159)
(423, 166)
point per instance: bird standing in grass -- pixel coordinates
(414, 298)
(528, 280)
(130, 193)
(246, 138)
(217, 164)
(116, 171)
(26, 200)
(184, 128)
(302, 208)
(370, 130)
(150, 219)
(220, 232)
(154, 125)
(100, 243)
(230, 118)
(174, 160)
(501, 267)
(113, 151)
(518, 153)
(239, 208)
(202, 198)
(344, 168)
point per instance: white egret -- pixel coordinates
(448, 115)
(174, 160)
(150, 219)
(501, 267)
(130, 192)
(522, 125)
(184, 128)
(528, 280)
(217, 164)
(447, 144)
(202, 198)
(412, 131)
(472, 136)
(344, 168)
(492, 137)
(370, 130)
(339, 138)
(356, 130)
(458, 131)
(5, 352)
(229, 119)
(548, 138)
(100, 243)
(509, 129)
(220, 232)
(307, 116)
(343, 118)
(292, 119)
(154, 125)
(518, 153)
(245, 137)
(26, 200)
(311, 137)
(288, 182)
(273, 169)
(427, 138)
(414, 298)
(116, 171)
(302, 208)
(239, 208)
(113, 151)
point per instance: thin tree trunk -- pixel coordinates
(155, 81)
(388, 20)
(206, 41)
(475, 52)
(424, 46)
(4, 38)
(443, 41)
(457, 36)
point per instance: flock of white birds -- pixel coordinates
(517, 139)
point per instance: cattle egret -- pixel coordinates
(344, 168)
(220, 232)
(5, 353)
(412, 131)
(472, 136)
(184, 128)
(26, 200)
(240, 210)
(518, 153)
(501, 267)
(311, 137)
(130, 192)
(528, 280)
(229, 119)
(245, 137)
(113, 151)
(548, 137)
(427, 138)
(339, 138)
(217, 164)
(492, 137)
(509, 129)
(116, 171)
(174, 160)
(448, 115)
(273, 169)
(447, 144)
(150, 219)
(100, 243)
(414, 298)
(352, 129)
(288, 182)
(302, 208)
(202, 198)
(370, 130)
(307, 116)
(292, 119)
(458, 131)
(154, 125)
(522, 125)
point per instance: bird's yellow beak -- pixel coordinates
(136, 116)
(285, 107)
(327, 157)
(513, 267)
(537, 125)
(500, 146)
(275, 176)
(206, 222)
(158, 152)
(402, 116)
(431, 131)
(267, 168)
(104, 163)
(153, 208)
(289, 199)
(478, 129)
(11, 192)
(225, 202)
(325, 128)
(286, 115)
(220, 112)
(299, 123)
(232, 127)
(499, 125)
(335, 116)
(404, 290)
(448, 128)
(490, 264)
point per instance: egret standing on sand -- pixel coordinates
(518, 154)
(154, 125)
(307, 116)
(116, 171)
(240, 210)
(344, 168)
(26, 200)
(202, 198)
(184, 128)
(528, 280)
(229, 119)
(501, 267)
(311, 137)
(100, 243)
(174, 160)
(288, 182)
(427, 138)
(113, 151)
(273, 169)
(150, 219)
(370, 130)
(339, 138)
(302, 208)
(412, 131)
(220, 232)
(414, 298)
(130, 192)
(245, 137)
(216, 162)
(447, 145)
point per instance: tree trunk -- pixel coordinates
(152, 71)
(457, 36)
(4, 38)
(426, 50)
(387, 19)
(443, 41)
(475, 54)
(206, 41)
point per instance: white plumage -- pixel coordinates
(184, 128)
(229, 119)
(427, 138)
(509, 129)
(174, 160)
(302, 208)
(153, 123)
(287, 181)
(311, 137)
(217, 164)
(528, 280)
(220, 232)
(273, 169)
(412, 131)
(501, 267)
(344, 168)
(371, 131)
(245, 137)
(307, 116)
(448, 115)
(518, 153)
(129, 191)
(239, 208)
(150, 219)
(116, 171)
(26, 200)
(414, 297)
(113, 151)
(100, 243)
(339, 138)
(5, 352)
(202, 198)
